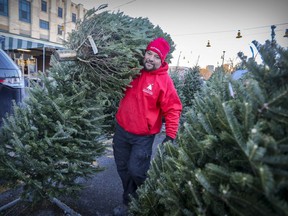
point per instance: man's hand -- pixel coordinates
(167, 139)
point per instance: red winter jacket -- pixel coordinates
(151, 96)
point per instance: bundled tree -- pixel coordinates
(232, 154)
(56, 136)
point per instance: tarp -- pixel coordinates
(238, 74)
(11, 42)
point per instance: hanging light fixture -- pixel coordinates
(208, 44)
(239, 34)
(286, 33)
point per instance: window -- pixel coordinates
(60, 29)
(60, 12)
(4, 7)
(24, 11)
(43, 6)
(74, 17)
(44, 24)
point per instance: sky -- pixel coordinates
(191, 23)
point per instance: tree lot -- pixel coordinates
(231, 152)
(58, 133)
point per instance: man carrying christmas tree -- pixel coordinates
(148, 98)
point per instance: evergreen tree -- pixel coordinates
(192, 84)
(232, 154)
(187, 84)
(56, 136)
(178, 83)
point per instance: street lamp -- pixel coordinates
(273, 34)
(223, 57)
(178, 59)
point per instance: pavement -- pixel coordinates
(101, 194)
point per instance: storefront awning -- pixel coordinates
(11, 42)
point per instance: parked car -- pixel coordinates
(11, 84)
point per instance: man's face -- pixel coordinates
(151, 61)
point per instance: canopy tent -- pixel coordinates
(12, 42)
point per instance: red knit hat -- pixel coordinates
(160, 46)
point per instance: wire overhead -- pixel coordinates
(225, 31)
(124, 4)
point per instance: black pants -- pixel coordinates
(132, 155)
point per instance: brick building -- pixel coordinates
(30, 30)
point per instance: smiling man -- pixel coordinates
(151, 97)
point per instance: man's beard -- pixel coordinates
(148, 68)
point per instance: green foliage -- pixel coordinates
(56, 136)
(232, 154)
(192, 83)
(178, 83)
(187, 85)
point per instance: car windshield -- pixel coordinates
(6, 62)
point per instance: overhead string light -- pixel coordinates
(239, 34)
(208, 44)
(286, 33)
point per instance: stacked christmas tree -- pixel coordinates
(232, 157)
(56, 136)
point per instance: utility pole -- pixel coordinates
(197, 60)
(2, 42)
(178, 61)
(273, 35)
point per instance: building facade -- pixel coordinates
(30, 30)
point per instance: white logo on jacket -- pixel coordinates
(148, 89)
